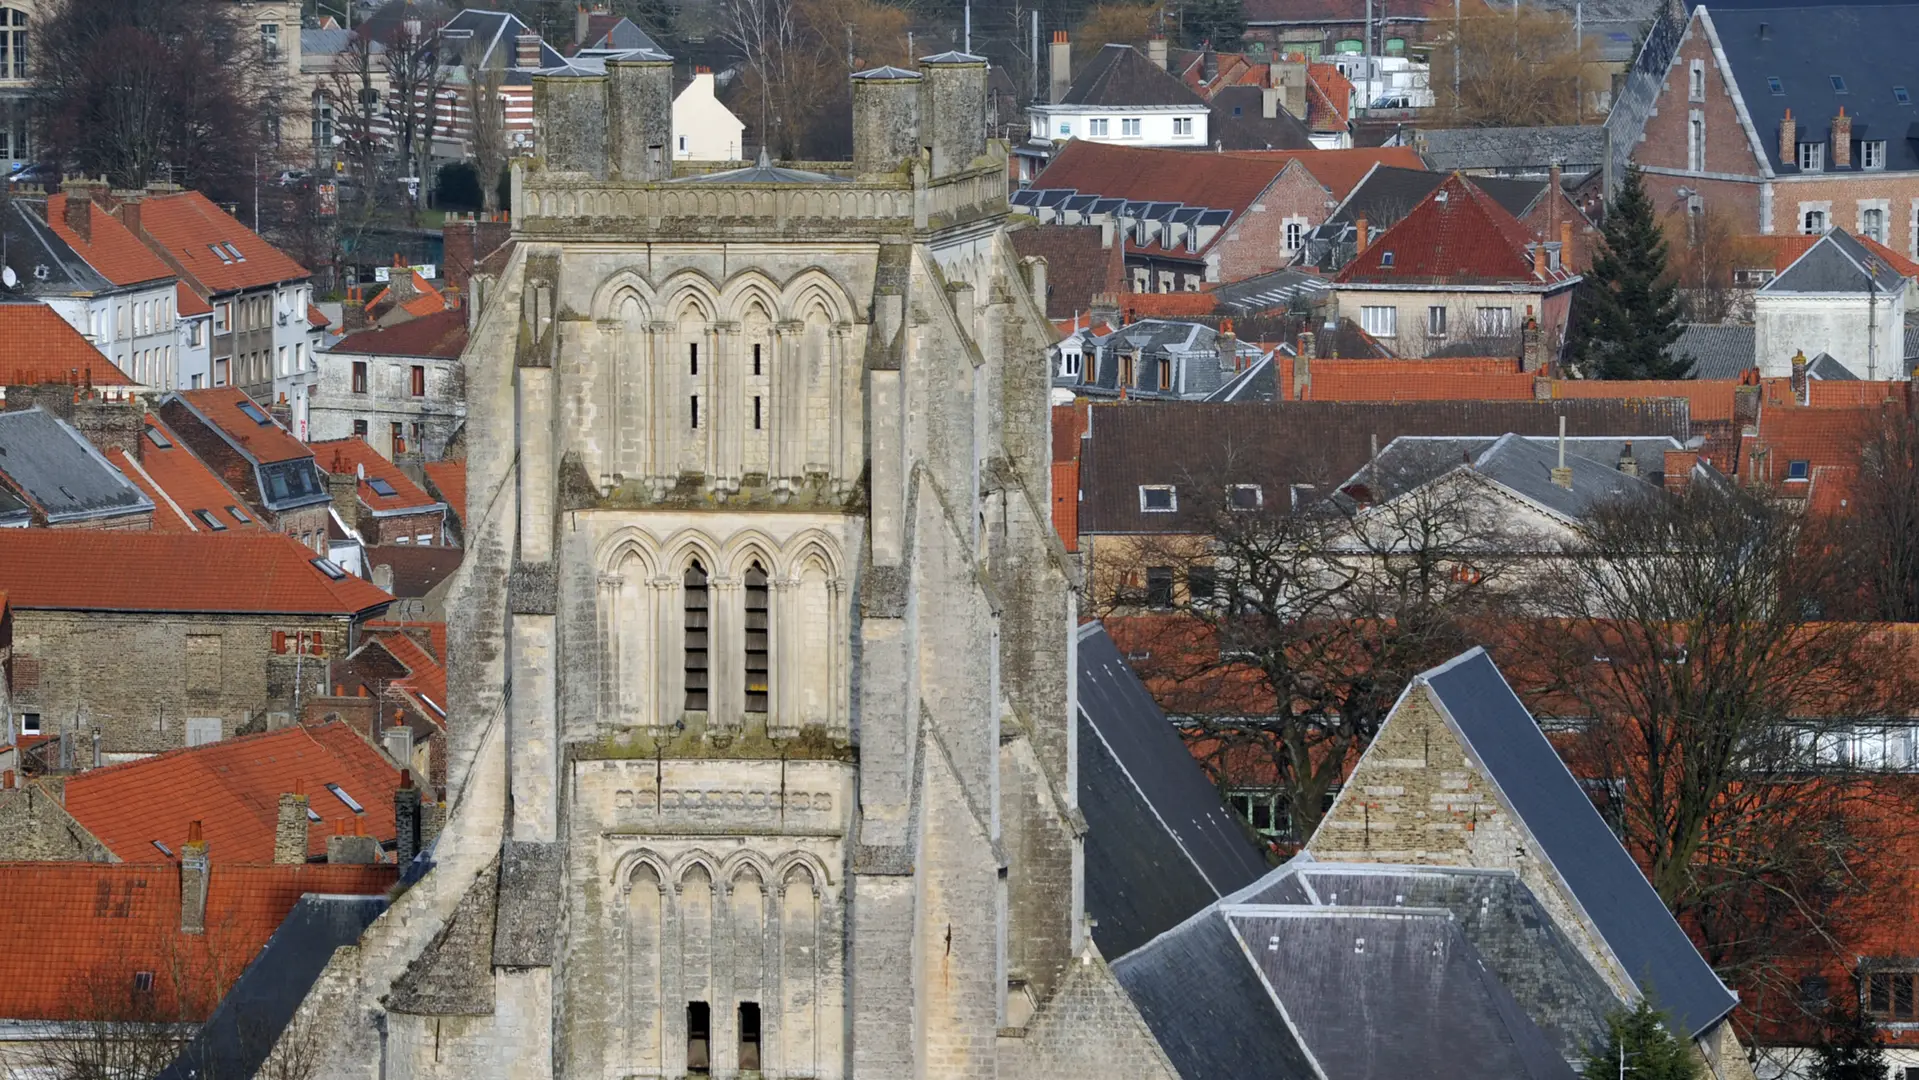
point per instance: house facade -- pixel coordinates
(1839, 300)
(16, 127)
(402, 389)
(254, 456)
(1122, 97)
(704, 129)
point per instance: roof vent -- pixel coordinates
(1765, 31)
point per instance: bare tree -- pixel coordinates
(1879, 529)
(798, 56)
(415, 85)
(1707, 249)
(1520, 69)
(486, 131)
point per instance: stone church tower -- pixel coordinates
(762, 692)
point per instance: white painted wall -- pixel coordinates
(1840, 324)
(1062, 122)
(704, 129)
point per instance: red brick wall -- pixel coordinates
(1728, 150)
(391, 530)
(1255, 244)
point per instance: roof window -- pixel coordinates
(159, 440)
(1798, 470)
(221, 255)
(1838, 84)
(164, 850)
(1899, 94)
(239, 515)
(329, 568)
(381, 487)
(1386, 258)
(143, 982)
(313, 815)
(235, 252)
(351, 803)
(206, 518)
(1158, 498)
(255, 413)
(1778, 88)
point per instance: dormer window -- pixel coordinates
(1812, 157)
(1872, 154)
(1158, 498)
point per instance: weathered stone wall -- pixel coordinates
(35, 827)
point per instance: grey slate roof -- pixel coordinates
(1718, 351)
(1522, 465)
(886, 71)
(1120, 75)
(953, 56)
(1638, 93)
(1278, 290)
(1191, 347)
(494, 39)
(1826, 369)
(764, 172)
(1574, 148)
(45, 459)
(13, 513)
(1869, 46)
(1837, 263)
(46, 265)
(1236, 120)
(1160, 845)
(1912, 341)
(1601, 876)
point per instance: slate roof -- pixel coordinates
(1278, 290)
(1237, 121)
(39, 348)
(1339, 171)
(1718, 351)
(1837, 263)
(1279, 444)
(1457, 236)
(608, 31)
(1522, 465)
(494, 39)
(1121, 75)
(1160, 845)
(189, 226)
(100, 923)
(1866, 45)
(111, 570)
(14, 514)
(1616, 25)
(1827, 369)
(762, 172)
(44, 264)
(1596, 870)
(1637, 94)
(1388, 193)
(1533, 148)
(233, 787)
(44, 460)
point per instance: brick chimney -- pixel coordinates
(79, 213)
(1842, 140)
(1361, 236)
(1788, 140)
(1679, 465)
(1566, 246)
(343, 484)
(349, 845)
(1801, 384)
(1059, 67)
(1156, 51)
(290, 833)
(194, 872)
(353, 311)
(1532, 351)
(1302, 368)
(526, 51)
(406, 817)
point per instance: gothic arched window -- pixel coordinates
(696, 638)
(757, 628)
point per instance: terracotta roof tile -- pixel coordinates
(1079, 265)
(1823, 438)
(1169, 305)
(1066, 503)
(442, 334)
(115, 252)
(1340, 170)
(233, 787)
(448, 480)
(1456, 236)
(1416, 386)
(95, 925)
(1069, 423)
(1824, 394)
(38, 348)
(188, 303)
(225, 407)
(354, 455)
(180, 485)
(189, 226)
(1783, 249)
(317, 318)
(1712, 399)
(241, 572)
(426, 678)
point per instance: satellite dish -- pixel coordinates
(8, 277)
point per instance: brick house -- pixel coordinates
(187, 496)
(371, 494)
(255, 456)
(1459, 271)
(161, 640)
(401, 388)
(1792, 119)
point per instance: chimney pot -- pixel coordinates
(1060, 67)
(1361, 235)
(1842, 140)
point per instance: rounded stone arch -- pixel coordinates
(630, 864)
(617, 287)
(810, 543)
(807, 863)
(815, 286)
(747, 287)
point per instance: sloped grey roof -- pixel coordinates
(1267, 292)
(1837, 263)
(494, 35)
(886, 71)
(46, 265)
(765, 172)
(1718, 351)
(1523, 465)
(1572, 147)
(1160, 845)
(13, 513)
(1120, 75)
(1237, 120)
(1827, 369)
(953, 56)
(1602, 877)
(1638, 92)
(59, 470)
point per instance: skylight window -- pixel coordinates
(235, 252)
(313, 815)
(351, 803)
(1778, 88)
(1386, 258)
(159, 440)
(255, 413)
(381, 487)
(1838, 84)
(1899, 94)
(221, 255)
(164, 850)
(206, 518)
(329, 568)
(239, 515)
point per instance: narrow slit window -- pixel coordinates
(756, 413)
(696, 640)
(756, 358)
(699, 1037)
(693, 404)
(693, 358)
(758, 606)
(749, 1035)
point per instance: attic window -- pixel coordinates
(1386, 258)
(381, 487)
(235, 252)
(159, 440)
(239, 515)
(206, 518)
(1838, 84)
(1799, 470)
(329, 568)
(351, 803)
(1158, 498)
(164, 850)
(254, 413)
(1899, 94)
(1778, 88)
(143, 982)
(221, 255)
(313, 815)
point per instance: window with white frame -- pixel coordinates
(1436, 321)
(1095, 128)
(1142, 279)
(1495, 321)
(1129, 126)
(1182, 125)
(1379, 321)
(1696, 83)
(1069, 363)
(1872, 154)
(1158, 498)
(1812, 157)
(1814, 223)
(1872, 222)
(1295, 235)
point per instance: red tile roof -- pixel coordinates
(1711, 399)
(188, 226)
(421, 299)
(188, 303)
(267, 443)
(38, 347)
(1456, 236)
(441, 334)
(435, 632)
(254, 572)
(1329, 100)
(1069, 423)
(1824, 438)
(354, 455)
(426, 678)
(1417, 386)
(114, 252)
(1066, 503)
(1340, 171)
(1168, 305)
(1219, 181)
(81, 931)
(448, 478)
(1824, 394)
(317, 318)
(1783, 249)
(234, 788)
(180, 484)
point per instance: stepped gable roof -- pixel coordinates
(233, 788)
(59, 473)
(1583, 852)
(1838, 263)
(211, 245)
(113, 250)
(184, 491)
(1121, 76)
(1458, 235)
(96, 925)
(383, 487)
(256, 572)
(439, 334)
(245, 424)
(39, 348)
(448, 480)
(1160, 846)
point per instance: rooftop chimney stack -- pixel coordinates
(1532, 353)
(1059, 67)
(1679, 465)
(1361, 237)
(1562, 473)
(582, 21)
(406, 818)
(1842, 140)
(1288, 76)
(1302, 369)
(290, 832)
(1226, 346)
(1156, 51)
(349, 845)
(1628, 464)
(194, 871)
(79, 213)
(1788, 139)
(1801, 383)
(526, 52)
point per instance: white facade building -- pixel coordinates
(704, 129)
(1839, 301)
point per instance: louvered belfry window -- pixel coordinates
(696, 638)
(757, 611)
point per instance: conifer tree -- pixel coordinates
(1849, 1048)
(1628, 311)
(1648, 1049)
